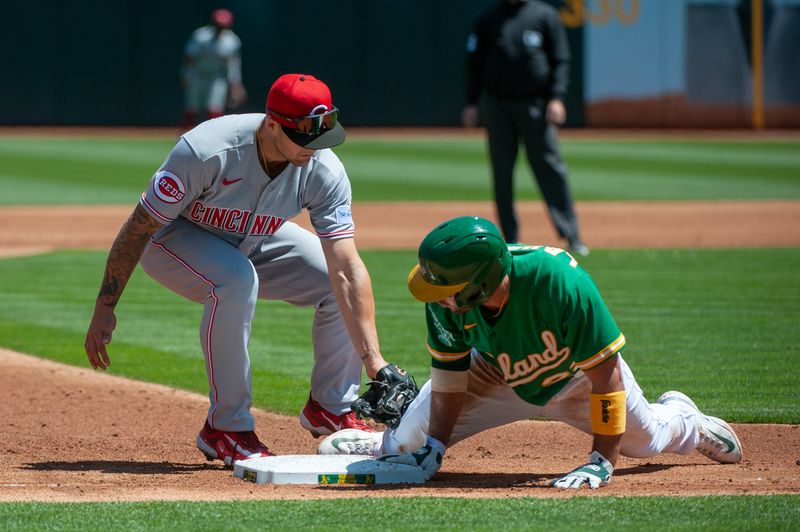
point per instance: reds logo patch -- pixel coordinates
(168, 187)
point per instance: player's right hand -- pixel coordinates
(99, 336)
(556, 113)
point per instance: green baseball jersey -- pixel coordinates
(554, 323)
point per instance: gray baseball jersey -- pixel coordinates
(227, 241)
(213, 177)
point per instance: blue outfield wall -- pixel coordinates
(689, 62)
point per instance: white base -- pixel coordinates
(325, 469)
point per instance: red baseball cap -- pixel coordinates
(222, 18)
(303, 106)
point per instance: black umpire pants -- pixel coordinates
(507, 122)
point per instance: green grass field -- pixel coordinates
(708, 322)
(96, 170)
(686, 315)
(579, 513)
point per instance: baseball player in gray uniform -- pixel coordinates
(212, 69)
(213, 226)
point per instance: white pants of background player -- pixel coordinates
(204, 93)
(288, 266)
(650, 428)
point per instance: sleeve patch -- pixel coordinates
(168, 187)
(344, 215)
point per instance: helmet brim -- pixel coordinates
(427, 292)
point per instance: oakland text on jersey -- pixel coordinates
(234, 220)
(535, 364)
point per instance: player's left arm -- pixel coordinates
(596, 341)
(607, 412)
(559, 58)
(607, 408)
(352, 286)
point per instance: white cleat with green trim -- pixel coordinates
(352, 441)
(717, 439)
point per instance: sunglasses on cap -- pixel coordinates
(311, 124)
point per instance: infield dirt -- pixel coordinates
(71, 434)
(403, 225)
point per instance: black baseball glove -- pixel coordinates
(388, 396)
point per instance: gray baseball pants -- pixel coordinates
(288, 266)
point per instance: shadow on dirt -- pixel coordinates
(470, 481)
(122, 466)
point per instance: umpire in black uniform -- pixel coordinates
(518, 57)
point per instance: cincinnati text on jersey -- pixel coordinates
(235, 220)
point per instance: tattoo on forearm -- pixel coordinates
(110, 289)
(125, 254)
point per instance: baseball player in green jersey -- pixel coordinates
(518, 332)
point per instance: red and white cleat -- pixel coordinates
(230, 446)
(320, 422)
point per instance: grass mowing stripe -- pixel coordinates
(778, 512)
(707, 322)
(108, 149)
(773, 155)
(50, 170)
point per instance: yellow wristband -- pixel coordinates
(607, 412)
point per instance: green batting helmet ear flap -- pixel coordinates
(466, 257)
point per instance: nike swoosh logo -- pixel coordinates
(726, 441)
(469, 326)
(226, 181)
(336, 441)
(336, 425)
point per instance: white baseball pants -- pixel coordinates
(651, 428)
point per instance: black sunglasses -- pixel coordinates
(312, 124)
